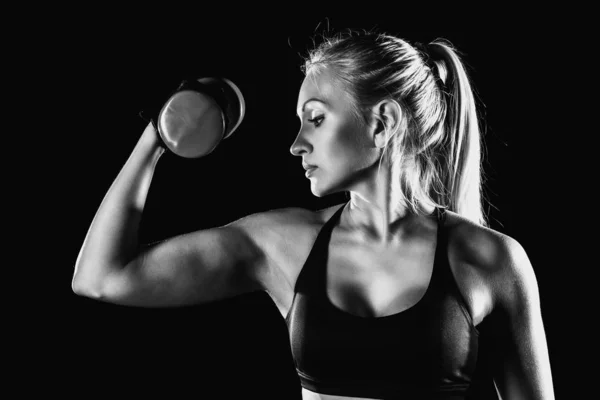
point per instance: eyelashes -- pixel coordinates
(316, 121)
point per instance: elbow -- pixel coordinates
(85, 287)
(77, 287)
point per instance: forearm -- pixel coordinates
(112, 239)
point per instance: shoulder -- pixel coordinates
(275, 222)
(283, 231)
(520, 361)
(282, 221)
(497, 261)
(284, 238)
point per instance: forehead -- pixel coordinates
(320, 85)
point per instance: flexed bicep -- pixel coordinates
(193, 268)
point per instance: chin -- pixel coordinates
(317, 193)
(317, 190)
(320, 190)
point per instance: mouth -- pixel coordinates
(309, 171)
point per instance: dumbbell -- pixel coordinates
(198, 115)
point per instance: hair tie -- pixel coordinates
(425, 51)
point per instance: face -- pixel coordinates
(331, 137)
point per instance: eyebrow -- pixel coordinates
(314, 99)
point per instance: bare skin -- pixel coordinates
(266, 251)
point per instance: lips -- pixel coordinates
(309, 171)
(308, 166)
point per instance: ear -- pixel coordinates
(386, 116)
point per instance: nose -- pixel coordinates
(300, 145)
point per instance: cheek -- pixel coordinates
(349, 144)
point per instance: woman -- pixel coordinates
(383, 295)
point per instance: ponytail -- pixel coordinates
(461, 169)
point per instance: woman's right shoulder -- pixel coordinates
(283, 222)
(282, 230)
(275, 221)
(284, 236)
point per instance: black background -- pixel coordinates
(104, 78)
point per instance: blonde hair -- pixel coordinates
(435, 155)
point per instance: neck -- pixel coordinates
(377, 214)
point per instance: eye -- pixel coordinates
(316, 121)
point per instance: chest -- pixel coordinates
(374, 318)
(371, 282)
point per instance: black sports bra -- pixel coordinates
(428, 351)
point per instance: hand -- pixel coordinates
(151, 137)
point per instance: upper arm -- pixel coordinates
(192, 268)
(522, 368)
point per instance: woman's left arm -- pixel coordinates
(522, 368)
